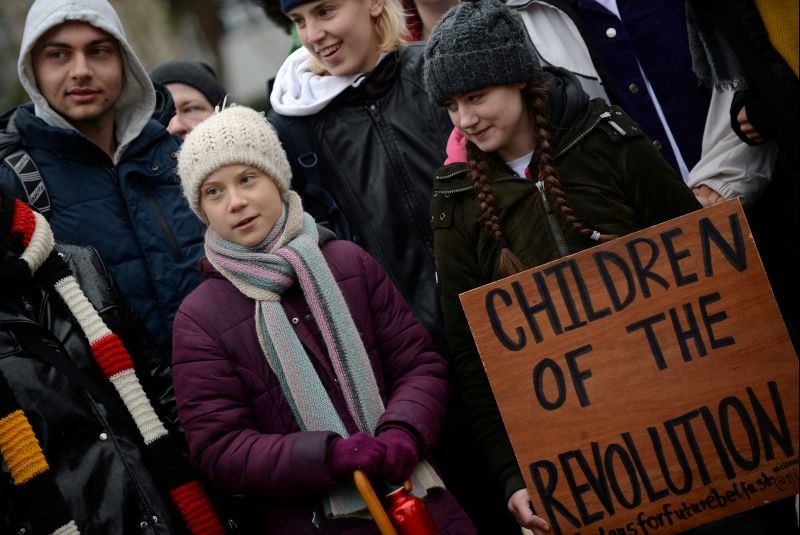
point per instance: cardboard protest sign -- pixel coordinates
(648, 384)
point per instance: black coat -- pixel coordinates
(89, 439)
(382, 142)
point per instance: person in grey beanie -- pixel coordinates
(547, 172)
(195, 90)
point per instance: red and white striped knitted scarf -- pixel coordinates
(19, 446)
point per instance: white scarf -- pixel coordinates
(299, 92)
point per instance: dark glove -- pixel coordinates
(358, 452)
(401, 454)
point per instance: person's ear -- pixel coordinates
(376, 8)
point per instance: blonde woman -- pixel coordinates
(359, 90)
(351, 100)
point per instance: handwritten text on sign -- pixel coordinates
(648, 384)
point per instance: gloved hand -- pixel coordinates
(358, 452)
(401, 454)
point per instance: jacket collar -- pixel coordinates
(70, 144)
(375, 84)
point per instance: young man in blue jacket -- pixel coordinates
(107, 168)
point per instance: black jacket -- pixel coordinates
(89, 439)
(382, 142)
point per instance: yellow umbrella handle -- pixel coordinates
(374, 505)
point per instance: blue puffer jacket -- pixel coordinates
(133, 213)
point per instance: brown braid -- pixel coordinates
(538, 100)
(478, 161)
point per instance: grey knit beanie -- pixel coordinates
(233, 135)
(477, 44)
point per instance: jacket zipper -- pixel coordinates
(451, 175)
(555, 229)
(111, 171)
(606, 115)
(558, 234)
(470, 187)
(396, 163)
(173, 243)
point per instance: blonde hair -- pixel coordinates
(390, 26)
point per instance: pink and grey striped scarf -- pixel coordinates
(291, 253)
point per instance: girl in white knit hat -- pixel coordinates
(297, 361)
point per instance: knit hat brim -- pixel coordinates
(455, 74)
(233, 135)
(195, 74)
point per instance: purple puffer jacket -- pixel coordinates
(241, 431)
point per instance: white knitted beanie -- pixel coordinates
(233, 135)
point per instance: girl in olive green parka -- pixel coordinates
(547, 173)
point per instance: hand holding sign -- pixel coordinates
(520, 506)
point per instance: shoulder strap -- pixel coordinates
(310, 172)
(24, 168)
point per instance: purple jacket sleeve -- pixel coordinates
(415, 374)
(219, 425)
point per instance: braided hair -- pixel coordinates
(479, 165)
(537, 99)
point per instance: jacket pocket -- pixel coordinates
(442, 210)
